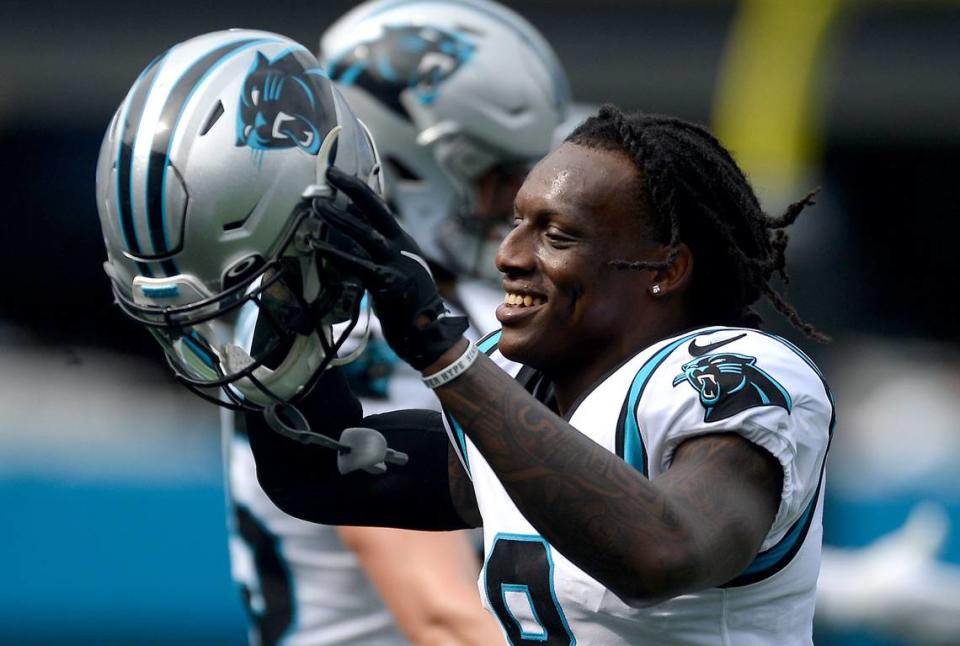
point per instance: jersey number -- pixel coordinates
(518, 577)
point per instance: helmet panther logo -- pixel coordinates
(415, 57)
(729, 383)
(283, 104)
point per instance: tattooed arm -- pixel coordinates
(694, 527)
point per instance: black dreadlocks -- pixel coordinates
(695, 193)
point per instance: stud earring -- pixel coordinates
(655, 289)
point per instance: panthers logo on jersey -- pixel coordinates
(400, 58)
(283, 106)
(729, 383)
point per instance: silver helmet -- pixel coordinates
(454, 92)
(201, 187)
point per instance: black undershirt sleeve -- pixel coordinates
(303, 481)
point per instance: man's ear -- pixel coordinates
(675, 278)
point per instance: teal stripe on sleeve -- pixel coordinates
(634, 452)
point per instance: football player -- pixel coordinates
(646, 463)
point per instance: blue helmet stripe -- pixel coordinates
(160, 150)
(127, 132)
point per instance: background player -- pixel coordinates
(461, 98)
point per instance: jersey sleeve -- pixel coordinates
(753, 384)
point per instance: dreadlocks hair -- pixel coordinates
(695, 193)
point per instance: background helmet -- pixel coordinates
(199, 179)
(451, 91)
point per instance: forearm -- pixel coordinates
(303, 480)
(602, 514)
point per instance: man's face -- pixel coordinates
(565, 304)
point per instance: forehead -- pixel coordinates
(577, 180)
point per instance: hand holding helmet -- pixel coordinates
(414, 319)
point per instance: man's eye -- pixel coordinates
(557, 236)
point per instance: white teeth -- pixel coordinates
(528, 300)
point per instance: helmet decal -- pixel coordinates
(401, 57)
(729, 383)
(283, 106)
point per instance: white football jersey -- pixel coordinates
(712, 380)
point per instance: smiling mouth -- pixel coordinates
(522, 300)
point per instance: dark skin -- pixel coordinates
(695, 526)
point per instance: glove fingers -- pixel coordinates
(357, 230)
(365, 270)
(366, 200)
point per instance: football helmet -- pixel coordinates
(204, 183)
(455, 93)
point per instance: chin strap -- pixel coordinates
(358, 448)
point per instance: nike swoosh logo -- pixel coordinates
(700, 350)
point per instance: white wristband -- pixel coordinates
(454, 370)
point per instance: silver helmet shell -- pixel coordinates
(450, 91)
(198, 178)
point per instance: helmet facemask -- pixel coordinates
(264, 339)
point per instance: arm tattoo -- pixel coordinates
(639, 538)
(461, 491)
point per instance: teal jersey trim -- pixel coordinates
(490, 342)
(510, 579)
(774, 559)
(630, 444)
(486, 345)
(461, 438)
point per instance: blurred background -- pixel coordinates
(112, 524)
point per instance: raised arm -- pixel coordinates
(696, 526)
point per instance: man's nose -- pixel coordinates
(514, 254)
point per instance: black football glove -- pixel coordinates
(414, 319)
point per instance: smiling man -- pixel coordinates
(646, 464)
